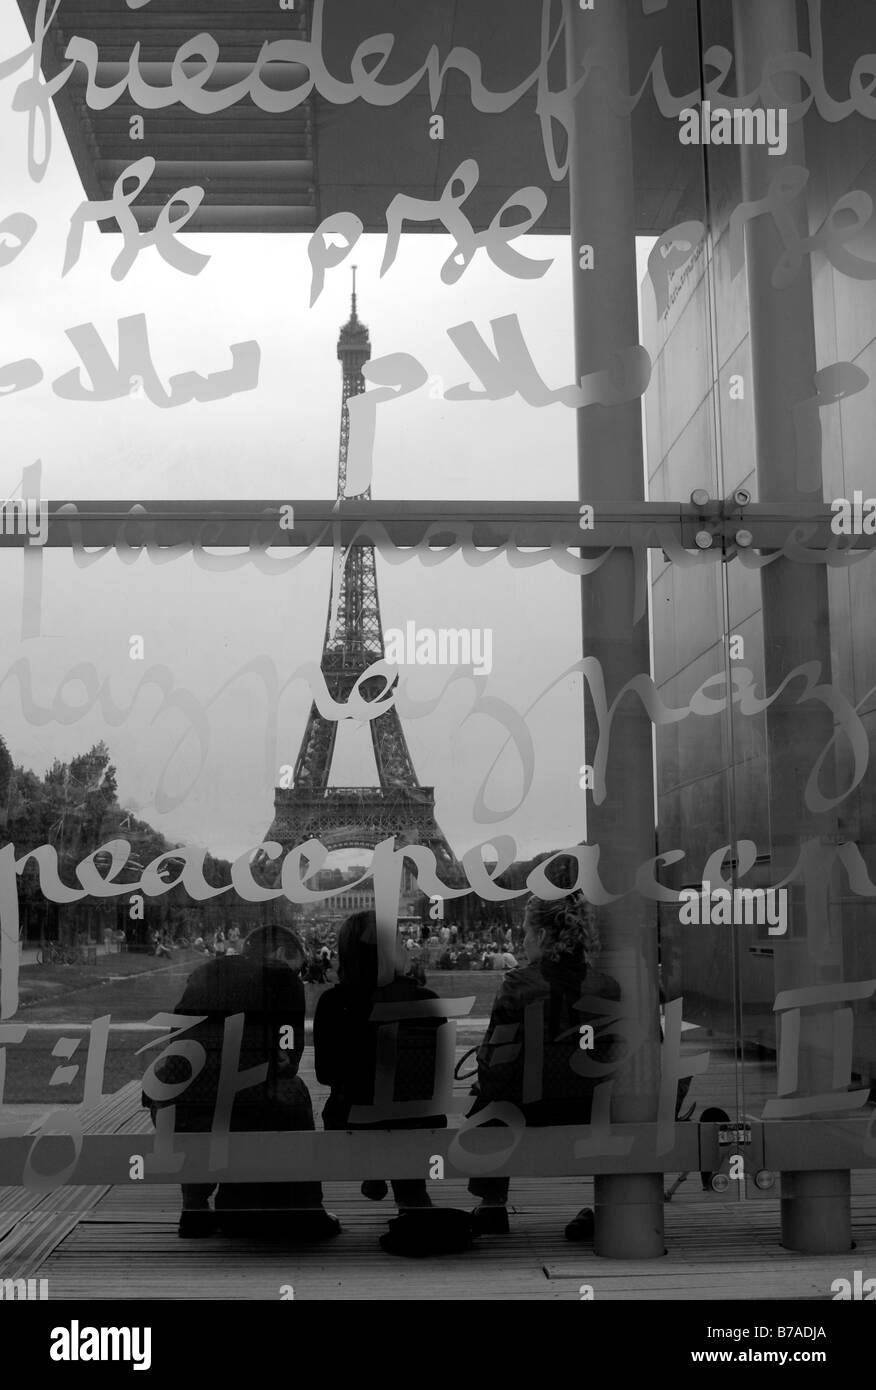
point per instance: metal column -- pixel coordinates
(815, 1206)
(629, 1207)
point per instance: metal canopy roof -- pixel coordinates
(264, 171)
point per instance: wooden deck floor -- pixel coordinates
(121, 1242)
(127, 1247)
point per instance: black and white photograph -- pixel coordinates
(438, 680)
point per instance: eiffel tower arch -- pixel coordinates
(399, 807)
(361, 817)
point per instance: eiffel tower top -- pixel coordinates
(354, 341)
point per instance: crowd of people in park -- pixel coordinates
(426, 949)
(443, 950)
(221, 943)
(261, 978)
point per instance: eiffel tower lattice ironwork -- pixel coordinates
(353, 817)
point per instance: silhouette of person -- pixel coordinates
(345, 1048)
(264, 986)
(561, 943)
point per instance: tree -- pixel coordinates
(7, 772)
(75, 808)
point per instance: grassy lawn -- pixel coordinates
(131, 989)
(56, 991)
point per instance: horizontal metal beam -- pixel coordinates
(288, 77)
(344, 1156)
(248, 215)
(819, 1145)
(434, 524)
(219, 169)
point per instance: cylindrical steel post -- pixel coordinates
(629, 1215)
(816, 1212)
(629, 1207)
(796, 618)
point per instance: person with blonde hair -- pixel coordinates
(561, 944)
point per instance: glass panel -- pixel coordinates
(219, 699)
(165, 705)
(793, 399)
(695, 333)
(185, 667)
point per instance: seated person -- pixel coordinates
(345, 1048)
(561, 943)
(160, 945)
(416, 971)
(262, 983)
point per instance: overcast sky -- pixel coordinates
(280, 442)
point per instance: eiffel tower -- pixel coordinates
(356, 817)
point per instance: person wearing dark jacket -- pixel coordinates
(345, 1048)
(561, 943)
(264, 986)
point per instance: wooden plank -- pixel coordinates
(718, 1250)
(33, 1222)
